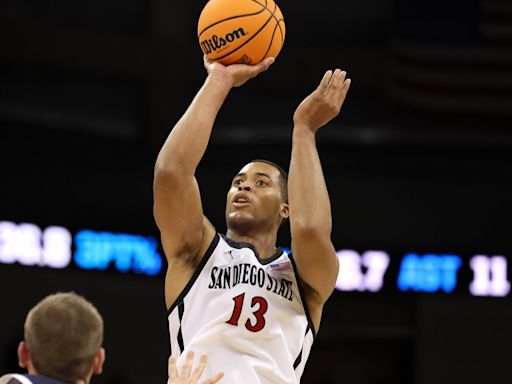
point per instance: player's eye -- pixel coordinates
(237, 182)
(261, 183)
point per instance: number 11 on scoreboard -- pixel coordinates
(489, 276)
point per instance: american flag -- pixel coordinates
(282, 266)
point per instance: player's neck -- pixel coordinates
(265, 243)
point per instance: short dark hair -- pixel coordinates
(63, 334)
(283, 177)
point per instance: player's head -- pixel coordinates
(258, 198)
(63, 338)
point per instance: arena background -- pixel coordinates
(418, 162)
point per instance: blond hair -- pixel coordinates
(63, 333)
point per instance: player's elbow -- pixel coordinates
(310, 229)
(170, 171)
(172, 162)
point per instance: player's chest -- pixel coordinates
(241, 271)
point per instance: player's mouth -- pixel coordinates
(241, 200)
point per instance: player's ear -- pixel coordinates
(23, 355)
(99, 360)
(285, 211)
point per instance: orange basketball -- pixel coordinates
(241, 31)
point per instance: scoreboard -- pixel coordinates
(377, 271)
(371, 271)
(55, 247)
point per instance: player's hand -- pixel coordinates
(237, 74)
(324, 104)
(186, 377)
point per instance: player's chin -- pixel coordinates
(239, 217)
(240, 214)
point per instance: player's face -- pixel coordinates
(254, 200)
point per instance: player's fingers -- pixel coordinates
(346, 85)
(269, 61)
(200, 368)
(214, 379)
(187, 367)
(173, 372)
(344, 90)
(264, 65)
(337, 80)
(341, 80)
(324, 84)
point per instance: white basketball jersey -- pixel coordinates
(248, 315)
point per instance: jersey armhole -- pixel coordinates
(302, 295)
(199, 268)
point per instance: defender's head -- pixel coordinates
(258, 198)
(63, 337)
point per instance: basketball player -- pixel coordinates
(63, 337)
(253, 308)
(62, 342)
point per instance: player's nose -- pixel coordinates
(244, 186)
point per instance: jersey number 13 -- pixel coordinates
(259, 313)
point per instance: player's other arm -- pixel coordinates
(310, 208)
(177, 204)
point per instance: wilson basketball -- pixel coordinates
(241, 31)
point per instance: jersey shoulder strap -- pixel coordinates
(14, 378)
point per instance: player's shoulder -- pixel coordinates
(14, 378)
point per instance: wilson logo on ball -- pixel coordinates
(215, 42)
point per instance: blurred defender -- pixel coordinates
(62, 342)
(251, 307)
(62, 345)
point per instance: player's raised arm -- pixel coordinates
(310, 208)
(177, 204)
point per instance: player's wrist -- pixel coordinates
(221, 79)
(303, 130)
